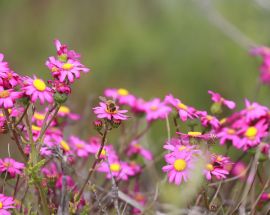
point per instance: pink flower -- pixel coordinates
(107, 151)
(179, 167)
(239, 169)
(217, 167)
(122, 96)
(64, 111)
(217, 98)
(102, 111)
(3, 65)
(69, 182)
(208, 120)
(9, 79)
(63, 52)
(50, 171)
(6, 203)
(79, 147)
(265, 196)
(37, 89)
(11, 166)
(254, 111)
(118, 169)
(155, 109)
(135, 148)
(8, 98)
(65, 70)
(228, 134)
(185, 112)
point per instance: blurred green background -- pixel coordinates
(149, 47)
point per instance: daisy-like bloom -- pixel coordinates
(138, 106)
(65, 112)
(69, 182)
(155, 109)
(118, 169)
(208, 120)
(196, 135)
(228, 134)
(6, 203)
(8, 98)
(122, 96)
(9, 79)
(135, 148)
(107, 151)
(50, 171)
(239, 169)
(252, 135)
(79, 147)
(3, 65)
(64, 53)
(217, 167)
(135, 167)
(68, 70)
(11, 166)
(217, 98)
(185, 112)
(264, 52)
(254, 111)
(37, 89)
(179, 167)
(103, 111)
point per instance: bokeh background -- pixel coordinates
(151, 48)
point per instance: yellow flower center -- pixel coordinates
(39, 85)
(222, 121)
(210, 167)
(154, 108)
(230, 131)
(194, 133)
(36, 128)
(182, 106)
(180, 165)
(67, 66)
(219, 158)
(137, 146)
(64, 109)
(79, 145)
(65, 146)
(1, 205)
(181, 148)
(4, 94)
(103, 152)
(115, 167)
(39, 116)
(251, 132)
(208, 117)
(54, 69)
(122, 92)
(6, 164)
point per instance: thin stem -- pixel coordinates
(22, 116)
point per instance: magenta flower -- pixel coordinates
(265, 196)
(155, 109)
(65, 112)
(6, 203)
(217, 167)
(208, 120)
(11, 166)
(254, 111)
(3, 65)
(66, 70)
(239, 169)
(228, 134)
(107, 151)
(185, 112)
(64, 52)
(37, 89)
(135, 148)
(118, 169)
(179, 167)
(122, 96)
(217, 98)
(9, 79)
(8, 98)
(50, 171)
(79, 147)
(102, 111)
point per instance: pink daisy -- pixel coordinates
(8, 98)
(63, 51)
(135, 148)
(65, 70)
(11, 166)
(155, 109)
(6, 203)
(122, 96)
(179, 167)
(102, 111)
(217, 98)
(185, 112)
(228, 134)
(254, 111)
(9, 79)
(65, 112)
(79, 147)
(37, 89)
(208, 120)
(3, 65)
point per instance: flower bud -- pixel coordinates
(60, 98)
(116, 123)
(98, 124)
(216, 108)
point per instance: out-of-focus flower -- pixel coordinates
(217, 98)
(11, 166)
(185, 112)
(122, 96)
(155, 109)
(239, 169)
(254, 111)
(6, 203)
(208, 120)
(135, 148)
(64, 111)
(64, 53)
(79, 147)
(103, 111)
(8, 98)
(36, 89)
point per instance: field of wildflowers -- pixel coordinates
(61, 173)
